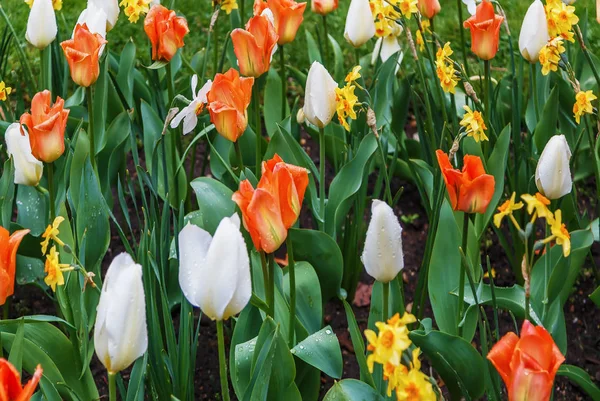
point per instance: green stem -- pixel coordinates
(46, 68)
(326, 41)
(222, 362)
(89, 94)
(546, 276)
(322, 174)
(271, 287)
(283, 82)
(488, 91)
(461, 285)
(265, 272)
(112, 387)
(292, 273)
(51, 206)
(238, 153)
(386, 299)
(462, 36)
(6, 308)
(534, 91)
(258, 127)
(388, 191)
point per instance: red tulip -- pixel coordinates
(485, 30)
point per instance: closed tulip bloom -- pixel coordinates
(470, 190)
(429, 8)
(120, 333)
(28, 169)
(8, 261)
(110, 8)
(553, 174)
(10, 382)
(165, 31)
(83, 53)
(46, 126)
(485, 30)
(94, 18)
(254, 46)
(319, 96)
(274, 206)
(382, 256)
(228, 101)
(214, 272)
(527, 364)
(534, 32)
(323, 7)
(360, 27)
(41, 25)
(288, 16)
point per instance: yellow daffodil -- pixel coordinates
(407, 7)
(559, 233)
(228, 5)
(445, 68)
(135, 8)
(54, 269)
(354, 74)
(474, 124)
(4, 91)
(507, 209)
(415, 385)
(444, 53)
(386, 346)
(384, 16)
(419, 36)
(561, 18)
(487, 274)
(550, 55)
(345, 100)
(583, 104)
(51, 233)
(398, 321)
(537, 205)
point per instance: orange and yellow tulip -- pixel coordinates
(471, 189)
(274, 206)
(485, 30)
(10, 383)
(228, 102)
(8, 261)
(46, 126)
(288, 16)
(429, 8)
(82, 53)
(165, 31)
(324, 7)
(254, 46)
(527, 364)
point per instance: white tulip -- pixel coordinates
(383, 257)
(41, 25)
(189, 114)
(534, 32)
(471, 6)
(110, 8)
(214, 272)
(553, 174)
(121, 335)
(319, 96)
(95, 18)
(360, 26)
(28, 169)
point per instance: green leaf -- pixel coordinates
(272, 107)
(314, 53)
(395, 301)
(383, 90)
(358, 344)
(135, 390)
(32, 209)
(546, 127)
(581, 378)
(16, 351)
(112, 156)
(125, 75)
(338, 59)
(29, 270)
(595, 297)
(214, 201)
(100, 103)
(246, 330)
(7, 193)
(322, 350)
(352, 390)
(456, 361)
(309, 305)
(157, 65)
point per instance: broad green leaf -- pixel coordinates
(111, 157)
(338, 59)
(32, 209)
(358, 344)
(581, 378)
(135, 390)
(7, 193)
(100, 103)
(547, 126)
(352, 390)
(125, 76)
(246, 330)
(382, 93)
(309, 305)
(272, 107)
(16, 351)
(29, 270)
(314, 53)
(321, 350)
(214, 202)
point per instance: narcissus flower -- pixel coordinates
(474, 125)
(28, 169)
(385, 16)
(254, 46)
(537, 205)
(4, 91)
(51, 233)
(387, 345)
(353, 75)
(559, 232)
(83, 53)
(507, 209)
(561, 18)
(550, 55)
(527, 364)
(135, 8)
(41, 25)
(360, 27)
(553, 172)
(8, 261)
(471, 189)
(414, 385)
(10, 382)
(227, 5)
(346, 101)
(288, 16)
(485, 30)
(429, 8)
(228, 101)
(46, 126)
(319, 96)
(583, 104)
(445, 68)
(407, 7)
(189, 114)
(54, 269)
(425, 24)
(274, 206)
(165, 31)
(534, 32)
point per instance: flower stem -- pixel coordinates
(265, 272)
(546, 276)
(462, 36)
(6, 308)
(258, 127)
(89, 94)
(388, 191)
(292, 273)
(461, 285)
(238, 153)
(322, 174)
(112, 387)
(385, 314)
(222, 362)
(488, 91)
(534, 91)
(51, 206)
(271, 288)
(326, 41)
(46, 68)
(283, 82)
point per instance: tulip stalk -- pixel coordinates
(322, 174)
(112, 387)
(292, 273)
(326, 41)
(534, 91)
(46, 68)
(586, 53)
(386, 299)
(50, 168)
(271, 286)
(488, 91)
(90, 102)
(222, 362)
(461, 281)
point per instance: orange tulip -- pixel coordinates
(485, 30)
(527, 364)
(10, 383)
(259, 7)
(228, 102)
(8, 261)
(288, 16)
(82, 53)
(165, 31)
(46, 126)
(429, 8)
(274, 206)
(324, 7)
(471, 189)
(254, 46)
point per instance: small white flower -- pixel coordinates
(189, 114)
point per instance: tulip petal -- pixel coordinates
(267, 219)
(194, 243)
(501, 355)
(474, 197)
(360, 27)
(41, 25)
(529, 385)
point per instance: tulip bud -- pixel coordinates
(429, 8)
(360, 26)
(95, 18)
(120, 334)
(214, 272)
(41, 25)
(383, 257)
(28, 169)
(323, 7)
(319, 97)
(111, 10)
(534, 32)
(553, 174)
(82, 54)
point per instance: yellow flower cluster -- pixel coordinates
(345, 98)
(135, 8)
(53, 268)
(385, 16)
(419, 36)
(227, 5)
(583, 104)
(445, 68)
(56, 4)
(474, 124)
(386, 348)
(550, 55)
(561, 18)
(4, 91)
